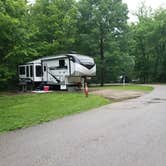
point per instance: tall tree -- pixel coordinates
(99, 22)
(149, 45)
(12, 37)
(159, 45)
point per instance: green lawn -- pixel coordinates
(128, 87)
(18, 111)
(26, 110)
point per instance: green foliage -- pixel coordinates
(55, 23)
(102, 27)
(149, 46)
(26, 110)
(118, 63)
(12, 37)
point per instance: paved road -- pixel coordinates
(130, 133)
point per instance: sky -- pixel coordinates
(133, 5)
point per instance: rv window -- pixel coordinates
(45, 68)
(38, 71)
(27, 71)
(31, 71)
(62, 64)
(22, 70)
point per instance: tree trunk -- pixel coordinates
(102, 61)
(144, 61)
(101, 56)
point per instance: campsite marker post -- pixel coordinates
(86, 89)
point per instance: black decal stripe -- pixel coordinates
(88, 66)
(69, 66)
(54, 77)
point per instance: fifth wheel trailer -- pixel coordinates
(60, 72)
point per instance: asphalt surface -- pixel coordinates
(129, 133)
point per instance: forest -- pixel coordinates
(98, 28)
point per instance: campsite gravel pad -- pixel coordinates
(117, 95)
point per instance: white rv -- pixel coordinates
(62, 71)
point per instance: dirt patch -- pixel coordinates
(113, 95)
(118, 95)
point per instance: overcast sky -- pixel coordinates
(133, 4)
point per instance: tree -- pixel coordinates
(159, 43)
(12, 37)
(149, 45)
(101, 21)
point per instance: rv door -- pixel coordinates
(45, 72)
(37, 73)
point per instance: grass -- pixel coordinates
(20, 111)
(127, 87)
